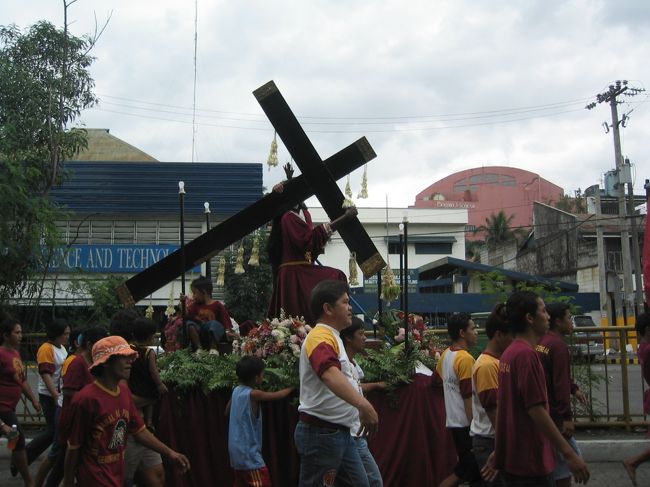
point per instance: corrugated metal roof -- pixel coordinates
(152, 187)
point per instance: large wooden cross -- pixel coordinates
(316, 174)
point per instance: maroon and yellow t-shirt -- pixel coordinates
(521, 449)
(101, 421)
(12, 376)
(75, 377)
(210, 312)
(556, 360)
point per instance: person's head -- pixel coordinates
(643, 325)
(112, 358)
(144, 331)
(330, 303)
(250, 370)
(461, 327)
(497, 329)
(57, 332)
(559, 317)
(201, 288)
(354, 336)
(73, 339)
(11, 333)
(122, 323)
(526, 310)
(88, 337)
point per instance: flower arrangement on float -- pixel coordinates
(278, 341)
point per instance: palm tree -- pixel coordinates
(497, 228)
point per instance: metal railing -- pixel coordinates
(609, 374)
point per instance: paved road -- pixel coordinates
(602, 450)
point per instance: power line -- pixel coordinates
(387, 119)
(365, 131)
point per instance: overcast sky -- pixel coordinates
(436, 86)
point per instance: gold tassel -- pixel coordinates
(347, 203)
(239, 265)
(170, 311)
(255, 253)
(272, 161)
(389, 288)
(364, 184)
(354, 275)
(148, 313)
(221, 273)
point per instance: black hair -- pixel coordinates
(143, 328)
(457, 322)
(556, 311)
(75, 335)
(90, 336)
(519, 304)
(497, 321)
(98, 370)
(55, 329)
(642, 324)
(6, 327)
(348, 333)
(326, 292)
(249, 367)
(202, 283)
(122, 323)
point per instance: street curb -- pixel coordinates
(595, 451)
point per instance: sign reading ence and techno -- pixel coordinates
(126, 258)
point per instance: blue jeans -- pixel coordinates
(561, 468)
(325, 451)
(213, 328)
(369, 464)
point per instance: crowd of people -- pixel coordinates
(508, 412)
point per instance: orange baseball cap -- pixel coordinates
(109, 346)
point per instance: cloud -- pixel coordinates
(436, 87)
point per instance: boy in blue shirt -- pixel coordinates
(245, 427)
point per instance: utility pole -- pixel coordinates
(610, 96)
(636, 254)
(606, 318)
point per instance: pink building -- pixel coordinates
(487, 190)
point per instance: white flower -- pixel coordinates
(295, 349)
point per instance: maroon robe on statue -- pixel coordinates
(297, 275)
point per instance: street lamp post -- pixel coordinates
(208, 267)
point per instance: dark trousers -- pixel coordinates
(519, 481)
(44, 439)
(466, 469)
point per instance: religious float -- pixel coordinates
(412, 446)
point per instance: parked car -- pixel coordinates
(586, 344)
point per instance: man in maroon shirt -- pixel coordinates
(643, 352)
(525, 432)
(556, 360)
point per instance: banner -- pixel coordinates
(117, 258)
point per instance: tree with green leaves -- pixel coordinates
(247, 295)
(498, 228)
(45, 84)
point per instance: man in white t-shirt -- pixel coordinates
(454, 371)
(329, 404)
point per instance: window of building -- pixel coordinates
(433, 248)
